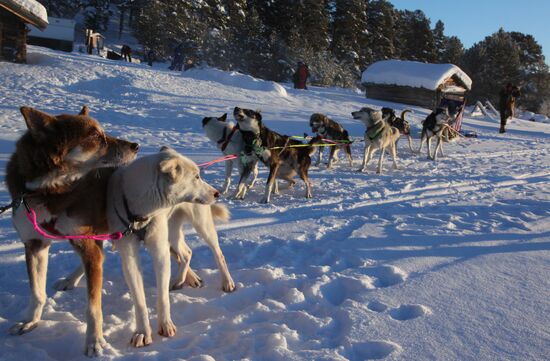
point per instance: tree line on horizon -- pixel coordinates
(338, 39)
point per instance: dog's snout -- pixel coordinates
(134, 147)
(216, 194)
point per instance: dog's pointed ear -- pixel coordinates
(165, 148)
(84, 111)
(259, 113)
(171, 168)
(36, 120)
(223, 118)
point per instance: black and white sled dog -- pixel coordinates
(229, 140)
(379, 135)
(331, 130)
(274, 150)
(435, 125)
(399, 122)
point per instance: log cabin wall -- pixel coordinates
(13, 37)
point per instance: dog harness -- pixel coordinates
(225, 139)
(131, 224)
(375, 131)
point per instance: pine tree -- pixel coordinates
(453, 52)
(440, 41)
(381, 29)
(350, 42)
(96, 14)
(415, 37)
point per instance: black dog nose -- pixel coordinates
(134, 147)
(217, 195)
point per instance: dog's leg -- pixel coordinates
(348, 152)
(422, 138)
(68, 283)
(276, 187)
(182, 253)
(394, 155)
(128, 248)
(429, 144)
(204, 225)
(320, 155)
(305, 178)
(380, 160)
(228, 169)
(255, 172)
(36, 257)
(241, 188)
(410, 143)
(366, 155)
(155, 241)
(332, 156)
(274, 168)
(91, 253)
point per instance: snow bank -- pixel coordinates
(235, 79)
(32, 7)
(412, 73)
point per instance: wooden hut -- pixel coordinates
(14, 14)
(415, 83)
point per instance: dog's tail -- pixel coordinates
(220, 212)
(405, 112)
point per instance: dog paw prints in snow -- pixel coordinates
(343, 288)
(373, 350)
(377, 306)
(409, 312)
(388, 275)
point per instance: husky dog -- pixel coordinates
(399, 122)
(379, 135)
(276, 151)
(154, 195)
(229, 140)
(59, 168)
(435, 125)
(329, 129)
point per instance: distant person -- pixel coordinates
(126, 53)
(150, 57)
(177, 60)
(300, 76)
(507, 104)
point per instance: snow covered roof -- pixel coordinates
(31, 11)
(413, 74)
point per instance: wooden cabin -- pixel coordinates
(14, 15)
(415, 83)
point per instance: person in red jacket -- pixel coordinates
(300, 76)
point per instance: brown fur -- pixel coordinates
(65, 158)
(331, 130)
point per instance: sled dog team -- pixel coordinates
(78, 180)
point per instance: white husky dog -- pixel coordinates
(153, 197)
(230, 141)
(379, 135)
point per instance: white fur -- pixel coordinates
(155, 186)
(440, 131)
(386, 139)
(214, 131)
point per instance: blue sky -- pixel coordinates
(471, 21)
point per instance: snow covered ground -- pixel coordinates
(433, 261)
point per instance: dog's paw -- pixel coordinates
(192, 280)
(141, 339)
(21, 328)
(177, 286)
(94, 348)
(64, 284)
(228, 286)
(167, 329)
(361, 170)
